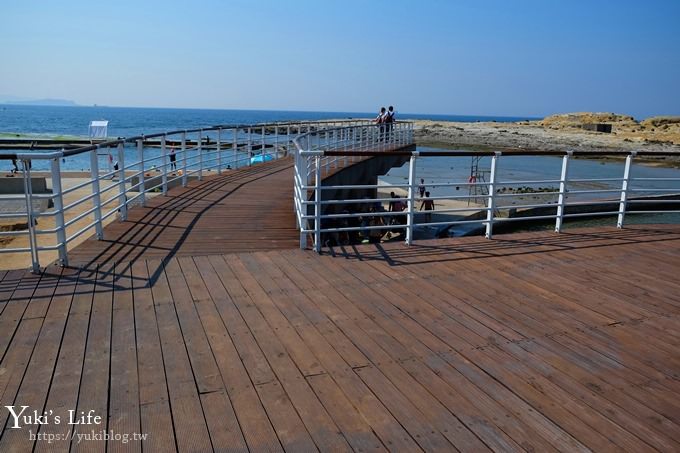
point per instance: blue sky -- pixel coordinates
(477, 57)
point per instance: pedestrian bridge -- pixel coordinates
(198, 322)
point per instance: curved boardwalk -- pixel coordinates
(241, 210)
(529, 342)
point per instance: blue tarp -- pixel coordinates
(261, 158)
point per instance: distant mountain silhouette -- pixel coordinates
(50, 102)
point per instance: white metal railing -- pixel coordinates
(330, 148)
(353, 219)
(136, 168)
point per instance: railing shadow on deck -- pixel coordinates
(116, 276)
(451, 250)
(100, 269)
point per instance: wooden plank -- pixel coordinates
(252, 400)
(498, 395)
(624, 410)
(124, 410)
(490, 437)
(185, 402)
(33, 391)
(222, 423)
(63, 393)
(8, 284)
(93, 395)
(319, 424)
(154, 402)
(17, 342)
(247, 408)
(16, 306)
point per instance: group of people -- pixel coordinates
(385, 121)
(374, 227)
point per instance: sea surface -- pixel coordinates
(129, 122)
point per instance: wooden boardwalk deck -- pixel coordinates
(528, 342)
(243, 210)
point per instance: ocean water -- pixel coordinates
(54, 121)
(128, 122)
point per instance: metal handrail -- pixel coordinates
(139, 163)
(314, 221)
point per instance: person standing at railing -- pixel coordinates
(173, 158)
(389, 121)
(380, 122)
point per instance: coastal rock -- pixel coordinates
(556, 133)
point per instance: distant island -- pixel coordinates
(46, 102)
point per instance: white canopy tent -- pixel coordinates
(99, 130)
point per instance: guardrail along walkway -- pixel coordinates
(536, 342)
(242, 210)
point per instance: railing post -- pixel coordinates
(263, 143)
(250, 145)
(234, 147)
(317, 204)
(142, 181)
(303, 207)
(59, 211)
(164, 152)
(492, 191)
(96, 199)
(122, 199)
(288, 144)
(200, 155)
(28, 192)
(410, 218)
(276, 140)
(184, 159)
(219, 151)
(624, 189)
(563, 192)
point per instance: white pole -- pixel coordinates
(59, 211)
(219, 151)
(624, 189)
(28, 193)
(410, 218)
(234, 147)
(142, 182)
(492, 189)
(250, 145)
(317, 205)
(200, 155)
(164, 152)
(563, 192)
(122, 199)
(263, 143)
(184, 159)
(96, 200)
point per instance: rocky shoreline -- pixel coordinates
(558, 133)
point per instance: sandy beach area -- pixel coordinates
(20, 260)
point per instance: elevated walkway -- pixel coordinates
(241, 210)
